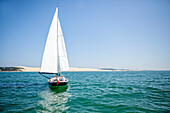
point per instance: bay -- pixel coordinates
(123, 91)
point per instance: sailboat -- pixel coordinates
(55, 59)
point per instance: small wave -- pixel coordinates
(152, 88)
(154, 97)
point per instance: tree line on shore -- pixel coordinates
(11, 68)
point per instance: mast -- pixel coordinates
(58, 67)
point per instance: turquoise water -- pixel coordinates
(143, 91)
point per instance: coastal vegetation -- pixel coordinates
(11, 68)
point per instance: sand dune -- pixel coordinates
(30, 69)
(36, 69)
(85, 69)
(72, 69)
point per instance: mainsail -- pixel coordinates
(55, 55)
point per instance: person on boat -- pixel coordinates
(62, 78)
(56, 78)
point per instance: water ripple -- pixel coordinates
(145, 91)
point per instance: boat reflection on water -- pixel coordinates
(59, 89)
(54, 100)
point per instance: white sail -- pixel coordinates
(55, 56)
(63, 60)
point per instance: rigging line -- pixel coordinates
(60, 35)
(44, 76)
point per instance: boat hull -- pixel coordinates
(55, 83)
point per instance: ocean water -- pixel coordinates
(140, 91)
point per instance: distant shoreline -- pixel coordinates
(72, 69)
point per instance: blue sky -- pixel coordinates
(128, 34)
